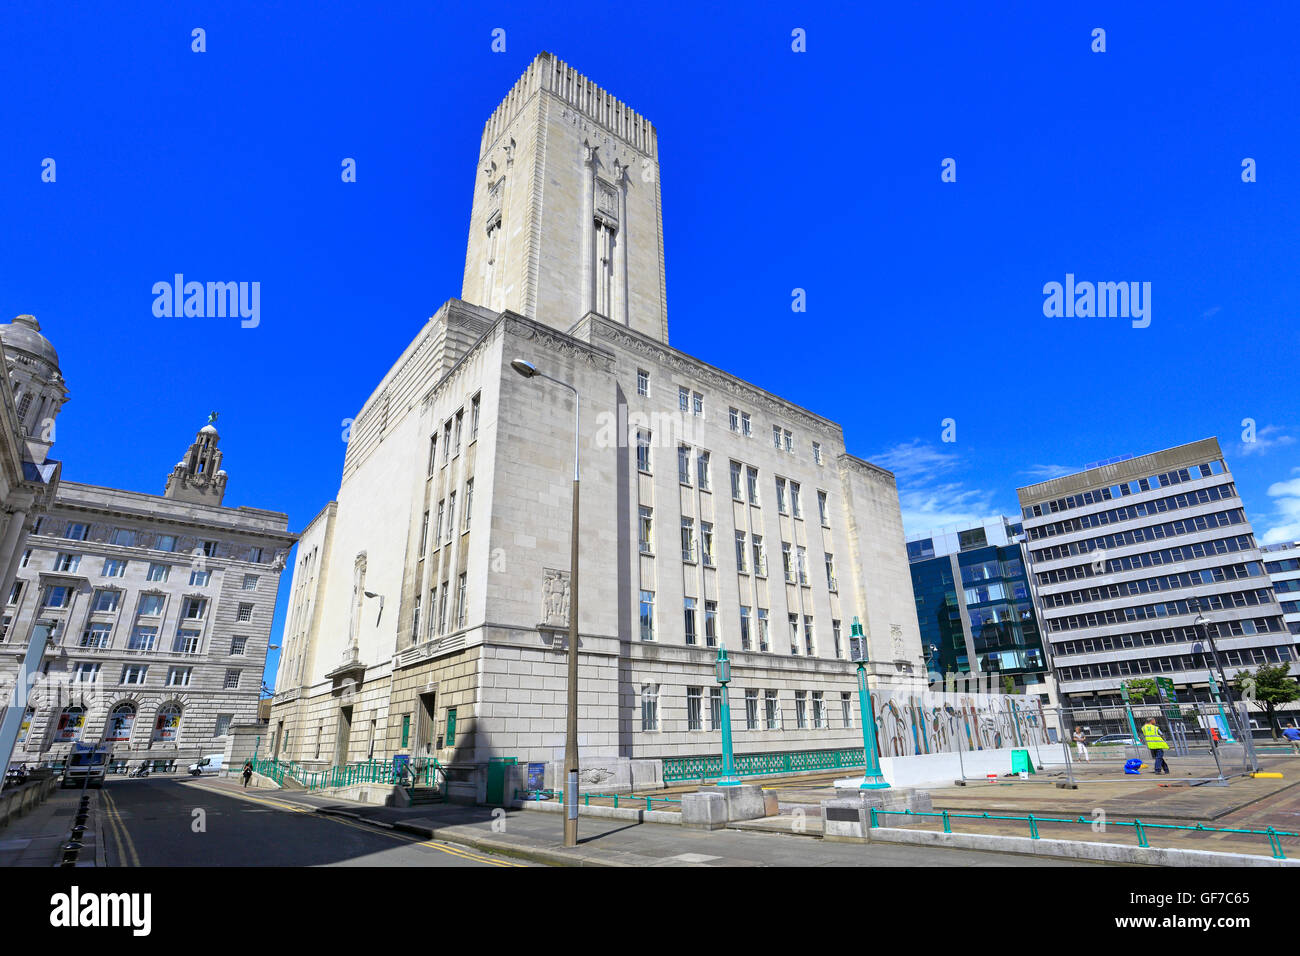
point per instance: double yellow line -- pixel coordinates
(125, 845)
(298, 808)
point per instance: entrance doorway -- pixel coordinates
(426, 725)
(344, 735)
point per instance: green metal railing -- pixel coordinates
(1139, 828)
(366, 771)
(627, 798)
(677, 769)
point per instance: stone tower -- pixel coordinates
(566, 217)
(198, 477)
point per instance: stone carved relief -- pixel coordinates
(896, 633)
(562, 344)
(595, 775)
(555, 597)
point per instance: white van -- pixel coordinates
(211, 764)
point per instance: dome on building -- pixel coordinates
(23, 334)
(209, 429)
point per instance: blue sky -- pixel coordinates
(780, 170)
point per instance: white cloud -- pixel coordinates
(1284, 522)
(927, 494)
(1266, 439)
(1047, 472)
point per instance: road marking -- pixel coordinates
(457, 851)
(123, 835)
(237, 795)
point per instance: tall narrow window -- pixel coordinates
(462, 608)
(647, 615)
(646, 533)
(821, 507)
(643, 451)
(688, 619)
(744, 629)
(751, 478)
(735, 480)
(642, 382)
(763, 632)
(688, 539)
(469, 498)
(684, 464)
(740, 552)
(702, 470)
(474, 406)
(794, 633)
(710, 623)
(706, 543)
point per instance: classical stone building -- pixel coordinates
(430, 601)
(156, 612)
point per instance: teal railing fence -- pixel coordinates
(629, 800)
(678, 769)
(1139, 828)
(423, 773)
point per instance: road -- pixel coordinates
(168, 821)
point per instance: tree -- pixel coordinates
(1140, 688)
(1268, 686)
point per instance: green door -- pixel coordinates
(496, 779)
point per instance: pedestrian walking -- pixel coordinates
(248, 772)
(1155, 742)
(1080, 741)
(1292, 734)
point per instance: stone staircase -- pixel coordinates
(424, 795)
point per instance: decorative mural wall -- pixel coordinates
(942, 722)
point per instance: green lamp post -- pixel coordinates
(729, 776)
(872, 779)
(1128, 709)
(1218, 699)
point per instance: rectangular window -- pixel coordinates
(830, 573)
(460, 424)
(735, 480)
(645, 534)
(817, 452)
(76, 532)
(151, 604)
(710, 623)
(114, 568)
(776, 436)
(715, 708)
(643, 451)
(683, 399)
(794, 633)
(642, 382)
(210, 548)
(647, 615)
(649, 706)
(158, 572)
(771, 712)
(802, 556)
(821, 508)
(794, 500)
(187, 642)
(751, 479)
(180, 677)
(474, 405)
(688, 540)
(733, 419)
(446, 441)
(415, 620)
(760, 556)
(437, 528)
(789, 441)
(751, 709)
(808, 642)
(232, 679)
(165, 542)
(740, 551)
(451, 516)
(200, 579)
(67, 562)
(706, 543)
(688, 613)
(142, 638)
(133, 674)
(85, 672)
(96, 635)
(424, 535)
(461, 606)
(835, 634)
(846, 708)
(801, 709)
(442, 609)
(744, 628)
(237, 646)
(694, 712)
(702, 470)
(780, 495)
(763, 633)
(819, 709)
(684, 464)
(406, 730)
(787, 562)
(746, 427)
(105, 601)
(245, 613)
(223, 725)
(123, 537)
(57, 596)
(15, 592)
(697, 405)
(433, 452)
(469, 499)
(250, 582)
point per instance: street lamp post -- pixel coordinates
(872, 779)
(528, 370)
(729, 776)
(1203, 623)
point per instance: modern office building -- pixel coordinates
(1125, 556)
(1282, 562)
(974, 606)
(431, 600)
(154, 612)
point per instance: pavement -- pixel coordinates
(36, 837)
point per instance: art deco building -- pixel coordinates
(430, 601)
(1125, 556)
(156, 610)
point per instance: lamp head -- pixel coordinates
(526, 369)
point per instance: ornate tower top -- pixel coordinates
(198, 477)
(567, 217)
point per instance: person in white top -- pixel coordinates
(1080, 739)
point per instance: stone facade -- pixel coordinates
(157, 612)
(438, 580)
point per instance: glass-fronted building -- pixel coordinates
(974, 605)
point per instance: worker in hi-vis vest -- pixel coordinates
(1156, 744)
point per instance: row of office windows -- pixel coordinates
(440, 599)
(134, 675)
(453, 432)
(108, 600)
(1286, 564)
(98, 635)
(1170, 529)
(754, 627)
(1144, 612)
(70, 563)
(762, 709)
(444, 528)
(121, 723)
(1149, 559)
(132, 538)
(1141, 509)
(1241, 657)
(1168, 635)
(1167, 582)
(1122, 490)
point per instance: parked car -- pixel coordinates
(211, 764)
(1108, 740)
